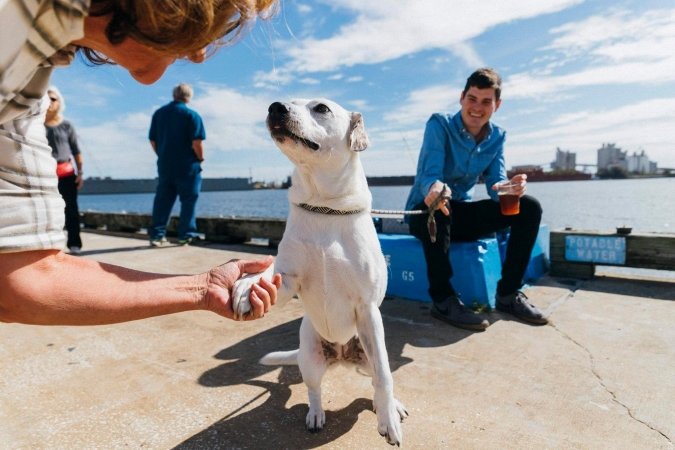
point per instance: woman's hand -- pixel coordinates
(220, 280)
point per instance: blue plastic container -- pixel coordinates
(476, 266)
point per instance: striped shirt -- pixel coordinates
(34, 39)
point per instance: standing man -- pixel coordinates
(456, 151)
(177, 135)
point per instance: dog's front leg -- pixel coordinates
(390, 413)
(313, 365)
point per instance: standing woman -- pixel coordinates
(63, 141)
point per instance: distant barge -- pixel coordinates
(538, 174)
(95, 186)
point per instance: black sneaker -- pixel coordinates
(518, 305)
(452, 311)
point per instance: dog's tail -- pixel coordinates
(280, 358)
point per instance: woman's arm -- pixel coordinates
(47, 287)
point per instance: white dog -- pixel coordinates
(330, 256)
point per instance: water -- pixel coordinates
(644, 204)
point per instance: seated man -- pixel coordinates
(456, 151)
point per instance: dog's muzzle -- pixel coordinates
(277, 123)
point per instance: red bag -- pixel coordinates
(65, 169)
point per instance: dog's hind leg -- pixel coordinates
(313, 366)
(390, 413)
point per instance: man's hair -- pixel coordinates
(61, 106)
(485, 78)
(176, 27)
(182, 93)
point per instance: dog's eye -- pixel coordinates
(321, 108)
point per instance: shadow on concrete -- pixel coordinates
(405, 323)
(271, 423)
(242, 248)
(655, 289)
(121, 250)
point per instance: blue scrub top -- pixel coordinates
(174, 126)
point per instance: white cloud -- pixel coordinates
(109, 151)
(354, 79)
(387, 30)
(304, 9)
(309, 81)
(620, 48)
(421, 103)
(647, 125)
(272, 80)
(361, 105)
(233, 121)
(465, 51)
(87, 94)
(337, 76)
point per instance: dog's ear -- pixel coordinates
(358, 139)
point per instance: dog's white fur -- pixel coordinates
(332, 262)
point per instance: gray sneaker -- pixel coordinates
(518, 305)
(452, 311)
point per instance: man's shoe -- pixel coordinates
(74, 250)
(452, 311)
(518, 305)
(192, 240)
(158, 242)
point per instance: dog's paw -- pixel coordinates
(316, 419)
(389, 418)
(241, 291)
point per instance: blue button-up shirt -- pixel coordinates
(450, 154)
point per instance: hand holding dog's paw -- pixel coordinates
(242, 290)
(261, 293)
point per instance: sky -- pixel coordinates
(576, 74)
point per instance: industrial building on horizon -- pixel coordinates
(610, 156)
(564, 160)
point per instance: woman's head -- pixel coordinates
(175, 28)
(56, 103)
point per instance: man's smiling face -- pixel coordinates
(478, 105)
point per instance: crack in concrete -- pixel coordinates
(607, 389)
(570, 293)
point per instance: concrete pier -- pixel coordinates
(601, 376)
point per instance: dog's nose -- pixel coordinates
(277, 109)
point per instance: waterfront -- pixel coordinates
(644, 204)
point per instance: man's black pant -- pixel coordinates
(469, 221)
(68, 190)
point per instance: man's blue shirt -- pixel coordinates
(174, 126)
(450, 154)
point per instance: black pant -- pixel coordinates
(68, 190)
(469, 221)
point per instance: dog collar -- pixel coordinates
(327, 210)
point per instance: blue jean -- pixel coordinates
(467, 222)
(168, 188)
